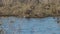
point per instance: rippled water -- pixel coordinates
(15, 25)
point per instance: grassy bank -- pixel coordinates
(33, 8)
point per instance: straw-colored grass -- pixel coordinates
(39, 9)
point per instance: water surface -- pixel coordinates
(15, 25)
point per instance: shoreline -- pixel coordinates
(25, 17)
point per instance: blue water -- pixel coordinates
(15, 25)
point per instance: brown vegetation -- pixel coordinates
(29, 8)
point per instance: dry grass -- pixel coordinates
(38, 8)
